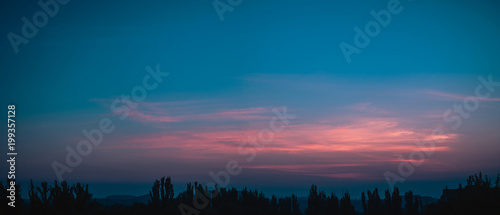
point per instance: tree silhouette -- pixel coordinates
(363, 203)
(387, 207)
(479, 196)
(396, 202)
(497, 181)
(412, 204)
(83, 200)
(374, 204)
(295, 206)
(60, 199)
(346, 207)
(313, 201)
(4, 200)
(332, 205)
(161, 194)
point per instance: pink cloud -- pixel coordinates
(299, 167)
(369, 135)
(342, 175)
(345, 146)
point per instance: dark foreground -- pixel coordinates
(479, 196)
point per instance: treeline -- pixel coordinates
(479, 196)
(59, 198)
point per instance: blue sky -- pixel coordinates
(226, 77)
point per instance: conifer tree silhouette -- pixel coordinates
(313, 201)
(396, 202)
(387, 207)
(332, 205)
(346, 207)
(363, 203)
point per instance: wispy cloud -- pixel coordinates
(195, 110)
(453, 97)
(368, 107)
(231, 114)
(330, 146)
(364, 135)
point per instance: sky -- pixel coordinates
(355, 118)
